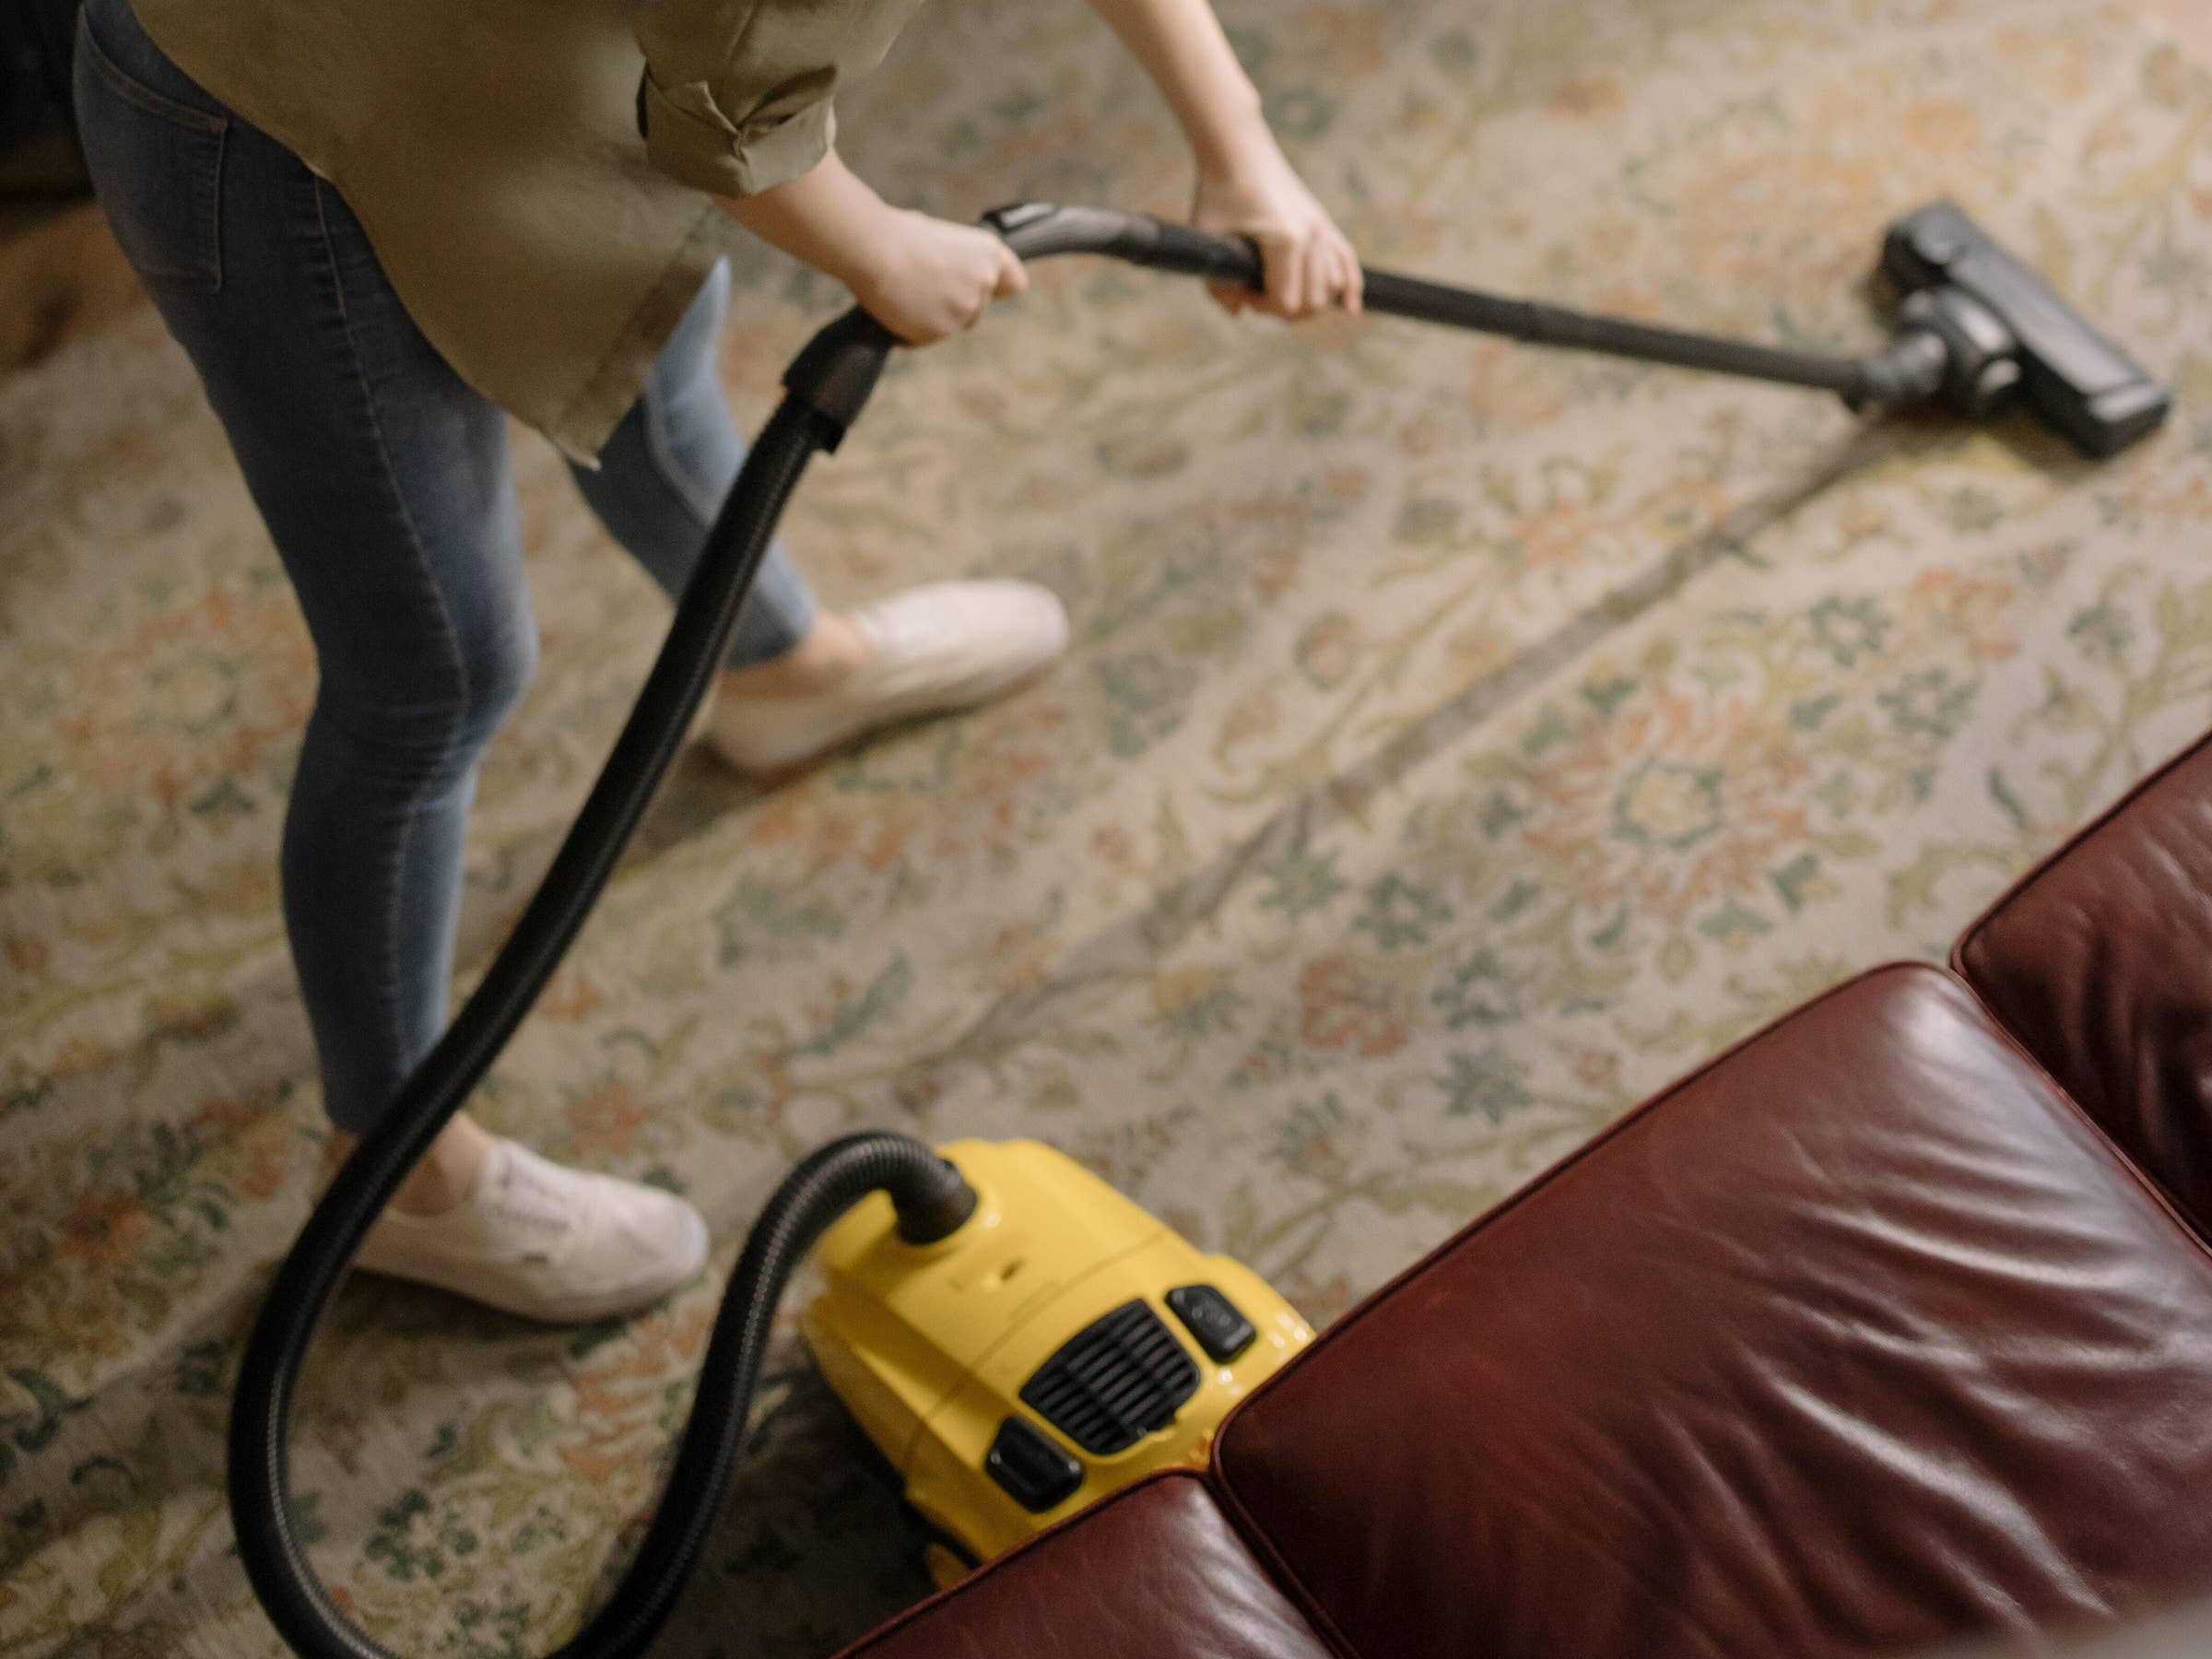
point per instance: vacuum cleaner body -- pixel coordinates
(1060, 1343)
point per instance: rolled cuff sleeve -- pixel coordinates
(738, 93)
(691, 139)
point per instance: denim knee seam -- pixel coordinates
(664, 473)
(660, 446)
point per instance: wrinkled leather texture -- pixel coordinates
(1155, 1573)
(1859, 1339)
(2101, 965)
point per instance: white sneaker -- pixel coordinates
(532, 1237)
(942, 646)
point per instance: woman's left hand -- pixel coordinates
(1310, 267)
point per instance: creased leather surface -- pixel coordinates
(1860, 1339)
(1156, 1574)
(2101, 964)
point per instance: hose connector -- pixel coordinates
(836, 372)
(933, 1201)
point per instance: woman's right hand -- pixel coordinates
(924, 278)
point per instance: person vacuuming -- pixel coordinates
(1121, 1348)
(378, 228)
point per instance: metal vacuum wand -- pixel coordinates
(1978, 329)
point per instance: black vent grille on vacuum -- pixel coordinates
(1121, 1378)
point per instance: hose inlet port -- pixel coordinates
(933, 1201)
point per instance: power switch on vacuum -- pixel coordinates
(1035, 1473)
(1211, 1317)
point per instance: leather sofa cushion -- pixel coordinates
(2101, 964)
(1153, 1573)
(1858, 1340)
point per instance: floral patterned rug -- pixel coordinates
(1458, 741)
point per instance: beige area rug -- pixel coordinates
(1458, 741)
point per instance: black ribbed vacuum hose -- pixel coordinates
(932, 1199)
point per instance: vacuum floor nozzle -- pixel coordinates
(2003, 327)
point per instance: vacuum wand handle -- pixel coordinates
(1035, 229)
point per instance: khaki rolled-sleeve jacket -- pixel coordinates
(534, 175)
(738, 94)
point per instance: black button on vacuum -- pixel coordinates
(1211, 1317)
(1036, 1473)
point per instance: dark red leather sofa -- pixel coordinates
(1891, 1327)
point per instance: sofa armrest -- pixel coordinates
(1859, 1339)
(1155, 1572)
(2101, 963)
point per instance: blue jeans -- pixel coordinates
(384, 482)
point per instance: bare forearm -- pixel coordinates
(1245, 184)
(1180, 46)
(827, 218)
(924, 278)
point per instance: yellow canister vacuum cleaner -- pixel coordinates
(1016, 1336)
(1057, 1345)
